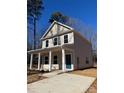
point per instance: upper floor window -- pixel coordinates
(65, 38)
(47, 43)
(55, 41)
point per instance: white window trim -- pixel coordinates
(48, 43)
(53, 41)
(67, 38)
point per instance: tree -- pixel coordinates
(34, 10)
(94, 41)
(84, 30)
(57, 16)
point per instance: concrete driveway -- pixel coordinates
(63, 83)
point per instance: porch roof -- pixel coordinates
(59, 47)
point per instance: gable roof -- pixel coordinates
(66, 26)
(55, 22)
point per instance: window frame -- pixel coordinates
(47, 43)
(55, 43)
(66, 38)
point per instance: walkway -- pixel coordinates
(63, 83)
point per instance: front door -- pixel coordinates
(68, 61)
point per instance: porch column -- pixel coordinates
(38, 61)
(43, 62)
(41, 66)
(50, 60)
(31, 60)
(63, 60)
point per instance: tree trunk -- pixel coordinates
(34, 33)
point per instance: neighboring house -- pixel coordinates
(62, 48)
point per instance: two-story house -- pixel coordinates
(62, 48)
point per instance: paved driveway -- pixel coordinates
(63, 83)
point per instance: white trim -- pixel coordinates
(63, 60)
(67, 38)
(50, 59)
(57, 46)
(57, 41)
(65, 25)
(47, 30)
(52, 25)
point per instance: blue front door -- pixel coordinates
(68, 61)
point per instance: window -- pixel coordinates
(87, 60)
(47, 43)
(65, 38)
(55, 41)
(46, 60)
(55, 60)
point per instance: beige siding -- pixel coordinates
(70, 40)
(56, 29)
(82, 50)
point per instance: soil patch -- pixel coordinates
(34, 77)
(91, 72)
(92, 88)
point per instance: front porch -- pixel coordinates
(49, 59)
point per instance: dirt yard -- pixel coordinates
(33, 76)
(92, 88)
(91, 72)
